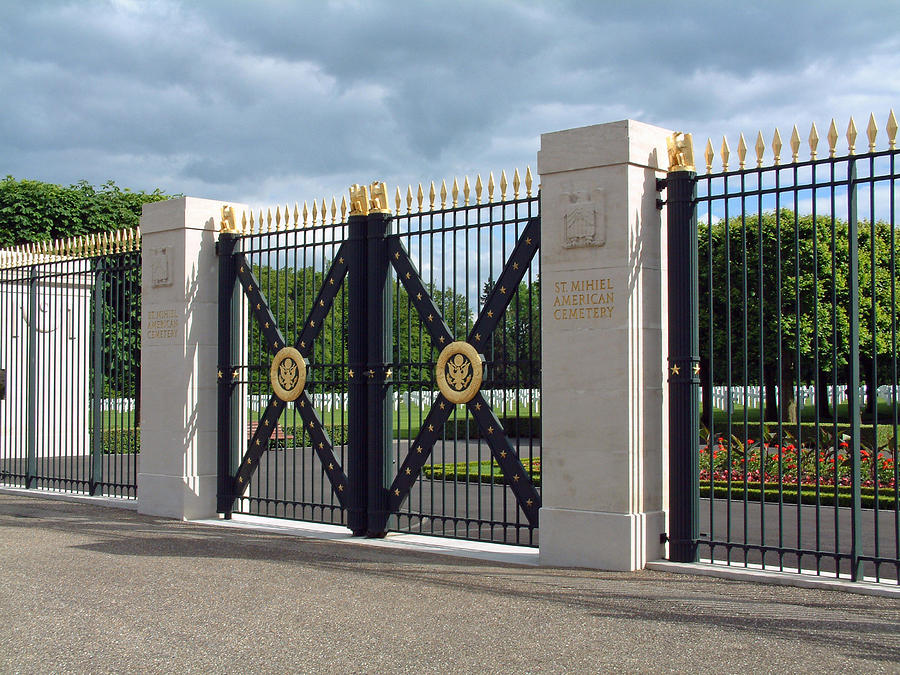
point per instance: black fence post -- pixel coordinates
(31, 409)
(357, 460)
(97, 372)
(683, 367)
(378, 355)
(227, 280)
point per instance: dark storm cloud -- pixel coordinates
(270, 100)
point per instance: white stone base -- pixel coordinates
(597, 540)
(177, 496)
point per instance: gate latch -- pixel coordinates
(2, 384)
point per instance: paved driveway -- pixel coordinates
(86, 588)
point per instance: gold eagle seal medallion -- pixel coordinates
(459, 371)
(288, 374)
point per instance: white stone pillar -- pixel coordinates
(179, 342)
(603, 347)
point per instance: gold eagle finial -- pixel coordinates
(681, 152)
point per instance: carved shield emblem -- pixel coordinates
(583, 222)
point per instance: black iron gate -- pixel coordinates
(783, 372)
(387, 380)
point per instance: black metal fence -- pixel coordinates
(70, 355)
(797, 362)
(371, 320)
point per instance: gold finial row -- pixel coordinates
(282, 219)
(84, 246)
(795, 143)
(374, 198)
(456, 194)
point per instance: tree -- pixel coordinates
(774, 303)
(32, 211)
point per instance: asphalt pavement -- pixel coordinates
(91, 588)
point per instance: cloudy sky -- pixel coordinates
(271, 101)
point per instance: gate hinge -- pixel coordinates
(661, 184)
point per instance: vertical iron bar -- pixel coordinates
(853, 399)
(31, 410)
(684, 338)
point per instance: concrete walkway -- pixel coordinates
(87, 588)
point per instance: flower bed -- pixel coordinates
(825, 463)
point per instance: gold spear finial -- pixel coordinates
(795, 144)
(305, 213)
(813, 141)
(529, 181)
(517, 182)
(479, 188)
(409, 198)
(760, 149)
(296, 215)
(851, 136)
(420, 197)
(431, 195)
(398, 201)
(832, 138)
(466, 191)
(872, 132)
(443, 194)
(726, 153)
(333, 210)
(503, 185)
(776, 146)
(454, 192)
(709, 155)
(277, 219)
(490, 186)
(892, 130)
(344, 209)
(742, 153)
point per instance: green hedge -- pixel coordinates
(826, 496)
(807, 431)
(120, 441)
(515, 427)
(474, 472)
(337, 433)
